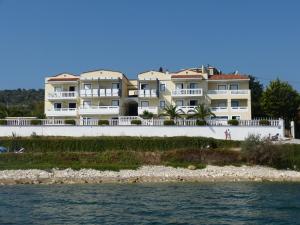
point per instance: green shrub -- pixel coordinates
(201, 123)
(264, 122)
(233, 122)
(147, 115)
(136, 122)
(169, 123)
(35, 122)
(70, 122)
(3, 122)
(98, 144)
(103, 122)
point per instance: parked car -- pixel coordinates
(3, 149)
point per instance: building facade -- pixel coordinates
(105, 94)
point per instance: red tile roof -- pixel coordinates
(228, 77)
(187, 76)
(64, 79)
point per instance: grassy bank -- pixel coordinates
(115, 153)
(99, 144)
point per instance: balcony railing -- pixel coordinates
(187, 92)
(62, 112)
(219, 109)
(62, 95)
(99, 110)
(186, 109)
(108, 92)
(151, 109)
(225, 92)
(239, 109)
(151, 93)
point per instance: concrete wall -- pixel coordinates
(237, 132)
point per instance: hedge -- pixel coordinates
(264, 122)
(169, 122)
(136, 122)
(233, 122)
(3, 122)
(103, 122)
(35, 122)
(200, 122)
(70, 122)
(96, 144)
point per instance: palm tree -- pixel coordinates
(200, 112)
(172, 111)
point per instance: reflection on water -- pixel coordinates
(188, 203)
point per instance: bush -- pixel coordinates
(169, 123)
(35, 122)
(136, 122)
(264, 122)
(3, 122)
(147, 115)
(262, 151)
(103, 122)
(201, 123)
(70, 122)
(233, 122)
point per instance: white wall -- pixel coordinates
(237, 132)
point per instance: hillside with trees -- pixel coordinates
(22, 102)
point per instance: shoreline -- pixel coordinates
(149, 174)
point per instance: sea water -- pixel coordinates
(173, 203)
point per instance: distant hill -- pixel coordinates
(21, 97)
(22, 102)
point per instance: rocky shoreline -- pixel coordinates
(148, 174)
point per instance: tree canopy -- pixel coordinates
(257, 90)
(280, 100)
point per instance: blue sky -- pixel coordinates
(41, 38)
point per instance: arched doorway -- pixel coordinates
(131, 108)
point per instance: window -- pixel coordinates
(179, 86)
(162, 87)
(236, 117)
(179, 102)
(193, 85)
(87, 86)
(162, 104)
(86, 104)
(115, 102)
(222, 86)
(234, 86)
(144, 103)
(222, 104)
(235, 103)
(57, 105)
(193, 102)
(144, 86)
(115, 86)
(72, 88)
(72, 105)
(57, 89)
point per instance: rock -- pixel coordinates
(191, 167)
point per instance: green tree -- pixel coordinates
(200, 112)
(147, 115)
(173, 112)
(280, 100)
(256, 93)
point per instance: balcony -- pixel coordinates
(62, 112)
(99, 110)
(228, 92)
(108, 92)
(219, 109)
(151, 93)
(239, 109)
(187, 92)
(62, 95)
(151, 109)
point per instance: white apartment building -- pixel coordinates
(105, 94)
